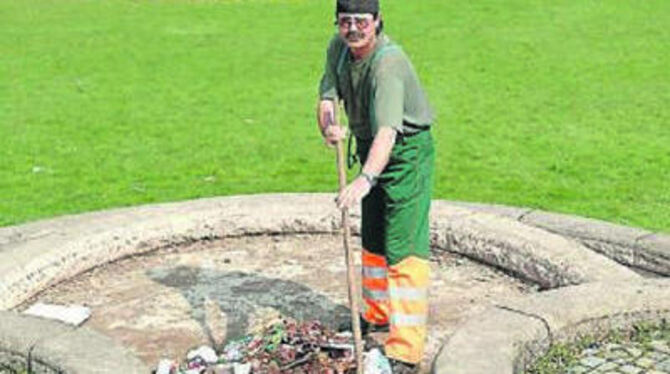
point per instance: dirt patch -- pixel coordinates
(176, 298)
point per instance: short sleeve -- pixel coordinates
(327, 87)
(389, 92)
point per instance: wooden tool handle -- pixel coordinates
(351, 267)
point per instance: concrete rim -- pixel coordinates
(547, 249)
(510, 336)
(46, 346)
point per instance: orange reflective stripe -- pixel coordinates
(376, 312)
(371, 259)
(375, 288)
(376, 283)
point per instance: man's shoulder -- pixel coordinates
(336, 43)
(390, 49)
(390, 55)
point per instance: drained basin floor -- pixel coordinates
(173, 299)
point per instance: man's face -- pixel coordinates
(357, 29)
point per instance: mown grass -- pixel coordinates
(559, 105)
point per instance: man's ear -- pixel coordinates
(378, 20)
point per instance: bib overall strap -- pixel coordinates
(352, 157)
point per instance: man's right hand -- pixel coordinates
(331, 132)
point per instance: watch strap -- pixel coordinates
(372, 179)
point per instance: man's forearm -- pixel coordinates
(325, 114)
(380, 151)
(378, 157)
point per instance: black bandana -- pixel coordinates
(358, 6)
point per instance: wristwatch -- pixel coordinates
(372, 179)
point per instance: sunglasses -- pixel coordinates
(361, 20)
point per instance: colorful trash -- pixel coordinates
(284, 346)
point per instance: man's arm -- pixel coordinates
(380, 151)
(326, 107)
(378, 158)
(389, 100)
(325, 114)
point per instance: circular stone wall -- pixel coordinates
(543, 249)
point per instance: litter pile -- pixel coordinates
(284, 346)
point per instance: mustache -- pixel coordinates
(354, 35)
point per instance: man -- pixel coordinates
(390, 117)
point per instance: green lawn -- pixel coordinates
(554, 104)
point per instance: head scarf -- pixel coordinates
(358, 6)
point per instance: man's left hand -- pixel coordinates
(353, 193)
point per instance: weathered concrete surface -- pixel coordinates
(530, 253)
(496, 210)
(19, 333)
(488, 343)
(165, 303)
(49, 251)
(86, 351)
(627, 245)
(572, 307)
(484, 343)
(580, 227)
(7, 265)
(653, 253)
(52, 347)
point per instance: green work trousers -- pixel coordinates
(395, 221)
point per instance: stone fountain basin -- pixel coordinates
(209, 268)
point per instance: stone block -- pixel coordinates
(597, 306)
(488, 345)
(86, 351)
(498, 210)
(530, 253)
(19, 333)
(584, 228)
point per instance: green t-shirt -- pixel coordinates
(380, 90)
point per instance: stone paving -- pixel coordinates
(627, 358)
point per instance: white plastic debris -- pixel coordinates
(165, 366)
(242, 368)
(376, 363)
(206, 353)
(72, 314)
(220, 369)
(345, 334)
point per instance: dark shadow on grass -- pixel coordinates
(239, 294)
